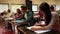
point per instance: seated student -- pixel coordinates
(41, 16)
(51, 19)
(18, 14)
(9, 13)
(4, 14)
(27, 15)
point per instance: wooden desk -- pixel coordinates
(26, 31)
(17, 23)
(9, 18)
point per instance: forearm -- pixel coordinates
(42, 28)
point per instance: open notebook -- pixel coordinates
(38, 31)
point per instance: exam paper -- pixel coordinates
(38, 31)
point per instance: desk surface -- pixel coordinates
(9, 18)
(18, 21)
(31, 32)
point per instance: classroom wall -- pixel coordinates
(23, 2)
(13, 2)
(57, 4)
(38, 2)
(50, 2)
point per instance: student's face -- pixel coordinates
(23, 10)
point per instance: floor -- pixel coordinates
(4, 30)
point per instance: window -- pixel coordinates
(34, 7)
(14, 7)
(3, 7)
(57, 7)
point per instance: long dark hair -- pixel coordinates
(46, 9)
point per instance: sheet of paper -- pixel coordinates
(18, 21)
(39, 31)
(42, 31)
(33, 27)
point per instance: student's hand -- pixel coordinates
(33, 29)
(40, 28)
(14, 19)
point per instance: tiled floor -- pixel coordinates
(3, 29)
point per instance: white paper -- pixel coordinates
(38, 31)
(41, 31)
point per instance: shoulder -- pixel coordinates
(55, 14)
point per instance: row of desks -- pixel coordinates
(14, 23)
(24, 29)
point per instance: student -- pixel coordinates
(27, 15)
(18, 14)
(4, 14)
(9, 13)
(51, 19)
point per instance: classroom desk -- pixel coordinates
(17, 23)
(26, 31)
(9, 18)
(14, 23)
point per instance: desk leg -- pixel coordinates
(16, 31)
(22, 30)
